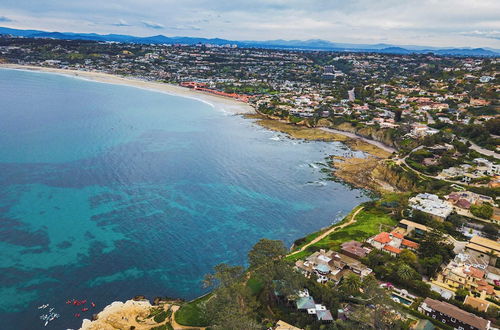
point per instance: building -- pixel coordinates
(306, 303)
(477, 303)
(466, 272)
(354, 249)
(392, 243)
(453, 316)
(331, 266)
(483, 247)
(432, 205)
(282, 325)
(410, 227)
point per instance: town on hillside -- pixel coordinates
(425, 254)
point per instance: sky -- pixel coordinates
(439, 23)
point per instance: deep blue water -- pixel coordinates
(107, 192)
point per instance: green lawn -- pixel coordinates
(368, 223)
(310, 237)
(191, 313)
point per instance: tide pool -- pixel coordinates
(107, 192)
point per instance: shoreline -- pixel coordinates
(225, 104)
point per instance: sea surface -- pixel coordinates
(107, 192)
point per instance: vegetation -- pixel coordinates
(484, 211)
(192, 313)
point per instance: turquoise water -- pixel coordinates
(107, 192)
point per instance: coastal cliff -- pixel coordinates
(382, 135)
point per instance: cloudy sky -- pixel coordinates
(471, 23)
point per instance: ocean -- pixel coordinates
(108, 192)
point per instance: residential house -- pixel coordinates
(453, 316)
(392, 243)
(331, 266)
(483, 247)
(432, 205)
(354, 249)
(306, 303)
(477, 303)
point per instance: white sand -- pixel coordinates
(225, 104)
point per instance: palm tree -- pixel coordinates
(405, 272)
(351, 283)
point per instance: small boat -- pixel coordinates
(43, 306)
(84, 309)
(92, 304)
(77, 315)
(68, 302)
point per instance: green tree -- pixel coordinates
(405, 272)
(484, 211)
(351, 284)
(265, 251)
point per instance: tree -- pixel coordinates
(224, 276)
(409, 257)
(405, 272)
(484, 211)
(232, 302)
(461, 293)
(265, 251)
(351, 284)
(491, 230)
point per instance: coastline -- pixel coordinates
(227, 105)
(224, 104)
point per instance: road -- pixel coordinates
(481, 150)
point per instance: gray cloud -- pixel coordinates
(153, 25)
(423, 22)
(121, 23)
(483, 34)
(5, 19)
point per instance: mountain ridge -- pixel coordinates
(310, 44)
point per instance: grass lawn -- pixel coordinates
(303, 241)
(367, 224)
(191, 314)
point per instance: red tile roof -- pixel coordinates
(397, 235)
(383, 238)
(392, 249)
(474, 272)
(410, 244)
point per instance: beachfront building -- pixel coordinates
(331, 266)
(453, 316)
(432, 205)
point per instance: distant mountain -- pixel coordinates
(312, 44)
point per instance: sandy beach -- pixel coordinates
(224, 104)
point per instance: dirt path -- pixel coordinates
(329, 231)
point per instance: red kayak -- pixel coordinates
(93, 305)
(84, 309)
(77, 315)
